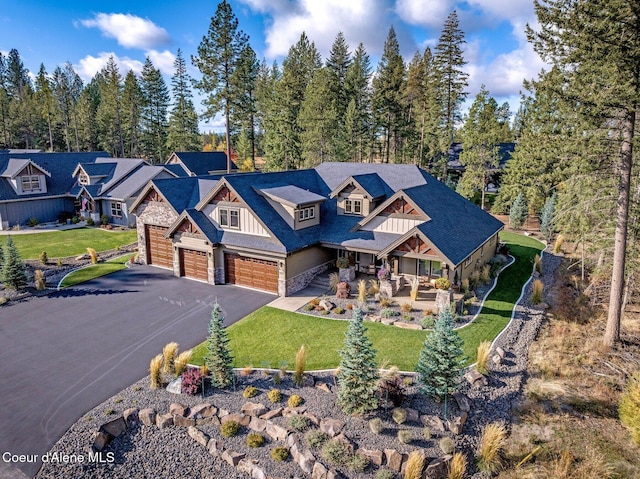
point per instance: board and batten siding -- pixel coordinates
(391, 224)
(43, 209)
(248, 223)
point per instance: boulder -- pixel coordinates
(462, 401)
(405, 325)
(147, 416)
(293, 411)
(257, 424)
(500, 352)
(437, 469)
(232, 458)
(457, 423)
(315, 420)
(475, 378)
(177, 409)
(175, 386)
(387, 321)
(253, 409)
(496, 359)
(433, 422)
(201, 421)
(319, 471)
(330, 426)
(222, 412)
(412, 415)
(326, 305)
(271, 414)
(394, 459)
(215, 447)
(131, 416)
(306, 461)
(101, 440)
(343, 291)
(203, 411)
(241, 419)
(323, 387)
(276, 432)
(374, 456)
(164, 420)
(348, 443)
(258, 473)
(293, 441)
(182, 421)
(198, 436)
(245, 466)
(308, 381)
(115, 427)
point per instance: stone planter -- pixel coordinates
(387, 288)
(347, 274)
(443, 299)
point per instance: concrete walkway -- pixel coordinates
(298, 300)
(45, 228)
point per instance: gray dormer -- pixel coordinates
(298, 207)
(358, 195)
(26, 177)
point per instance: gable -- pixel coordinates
(400, 206)
(187, 228)
(416, 245)
(225, 194)
(153, 195)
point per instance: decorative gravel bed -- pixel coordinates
(146, 451)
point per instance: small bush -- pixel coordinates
(299, 423)
(33, 222)
(155, 370)
(414, 466)
(629, 407)
(94, 255)
(536, 292)
(405, 436)
(315, 438)
(443, 283)
(428, 322)
(342, 263)
(492, 441)
(374, 287)
(334, 279)
(169, 354)
(247, 370)
(399, 415)
(388, 313)
(38, 279)
(464, 285)
(250, 392)
(362, 291)
(357, 463)
(229, 429)
(457, 466)
(191, 382)
(3, 300)
(277, 379)
(375, 425)
(43, 257)
(338, 311)
(315, 301)
(406, 307)
(324, 312)
(181, 361)
(274, 395)
(447, 445)
(90, 221)
(407, 317)
(485, 274)
(255, 439)
(384, 474)
(386, 302)
(294, 400)
(105, 219)
(335, 452)
(349, 306)
(280, 453)
(309, 307)
(74, 220)
(557, 245)
(484, 350)
(301, 360)
(58, 262)
(537, 263)
(426, 433)
(393, 389)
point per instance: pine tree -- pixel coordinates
(518, 212)
(45, 101)
(132, 104)
(217, 59)
(338, 65)
(267, 108)
(358, 123)
(244, 104)
(219, 359)
(14, 272)
(154, 112)
(546, 217)
(87, 114)
(109, 112)
(67, 89)
(183, 132)
(5, 138)
(440, 363)
(358, 374)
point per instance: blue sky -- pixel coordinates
(86, 33)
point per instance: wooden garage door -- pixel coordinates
(253, 272)
(193, 264)
(159, 248)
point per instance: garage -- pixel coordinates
(193, 264)
(159, 248)
(252, 272)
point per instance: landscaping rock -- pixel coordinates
(215, 447)
(175, 386)
(433, 422)
(115, 427)
(271, 414)
(245, 466)
(331, 427)
(374, 456)
(412, 415)
(177, 409)
(131, 417)
(253, 409)
(437, 469)
(405, 325)
(387, 321)
(475, 378)
(257, 424)
(313, 418)
(457, 423)
(306, 461)
(101, 440)
(326, 305)
(276, 432)
(293, 411)
(198, 436)
(258, 473)
(496, 359)
(147, 416)
(203, 410)
(394, 459)
(181, 421)
(164, 420)
(232, 458)
(323, 387)
(319, 471)
(462, 401)
(500, 352)
(241, 419)
(308, 381)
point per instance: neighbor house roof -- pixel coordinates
(134, 182)
(200, 163)
(505, 150)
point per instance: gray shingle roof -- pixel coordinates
(292, 195)
(134, 182)
(203, 162)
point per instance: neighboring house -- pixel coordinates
(276, 231)
(37, 185)
(199, 163)
(505, 150)
(108, 186)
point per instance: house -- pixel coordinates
(37, 185)
(108, 186)
(277, 231)
(199, 163)
(505, 150)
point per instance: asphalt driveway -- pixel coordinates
(62, 355)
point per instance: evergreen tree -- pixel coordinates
(219, 359)
(45, 101)
(217, 59)
(518, 212)
(358, 124)
(109, 112)
(267, 106)
(388, 86)
(183, 132)
(21, 106)
(154, 112)
(5, 138)
(67, 89)
(132, 104)
(337, 66)
(357, 374)
(244, 104)
(440, 363)
(546, 217)
(87, 115)
(14, 272)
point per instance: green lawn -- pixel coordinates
(270, 337)
(72, 242)
(95, 271)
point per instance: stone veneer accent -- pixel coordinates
(301, 281)
(152, 213)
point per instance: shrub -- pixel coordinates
(484, 350)
(309, 307)
(247, 370)
(58, 262)
(338, 311)
(250, 392)
(428, 322)
(90, 221)
(155, 369)
(280, 453)
(342, 262)
(38, 279)
(447, 445)
(357, 463)
(537, 263)
(335, 452)
(485, 273)
(393, 390)
(457, 466)
(94, 255)
(299, 423)
(405, 436)
(426, 433)
(229, 429)
(294, 400)
(443, 283)
(362, 291)
(14, 272)
(407, 317)
(315, 301)
(74, 220)
(349, 306)
(255, 439)
(374, 287)
(464, 285)
(414, 466)
(181, 361)
(536, 292)
(277, 379)
(388, 313)
(399, 415)
(375, 425)
(3, 300)
(315, 438)
(384, 474)
(557, 244)
(32, 222)
(385, 302)
(323, 312)
(274, 395)
(191, 382)
(492, 441)
(43, 257)
(334, 279)
(629, 407)
(301, 360)
(105, 219)
(169, 354)
(218, 357)
(518, 212)
(474, 279)
(406, 307)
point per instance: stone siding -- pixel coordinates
(152, 213)
(302, 280)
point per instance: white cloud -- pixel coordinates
(163, 61)
(128, 30)
(429, 14)
(512, 10)
(88, 66)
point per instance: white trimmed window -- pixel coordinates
(116, 209)
(83, 179)
(229, 218)
(353, 207)
(30, 183)
(467, 261)
(306, 213)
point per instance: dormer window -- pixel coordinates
(30, 183)
(353, 207)
(229, 218)
(83, 179)
(306, 213)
